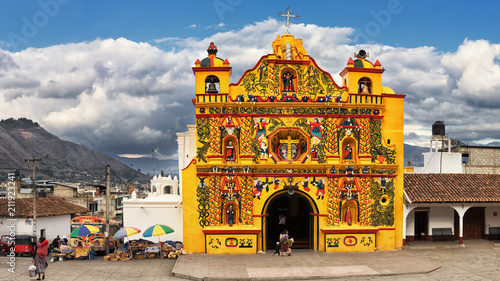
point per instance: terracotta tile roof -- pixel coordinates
(45, 207)
(434, 188)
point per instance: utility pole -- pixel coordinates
(107, 209)
(35, 191)
(154, 168)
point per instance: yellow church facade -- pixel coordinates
(286, 148)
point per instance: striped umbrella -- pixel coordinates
(157, 230)
(84, 230)
(126, 232)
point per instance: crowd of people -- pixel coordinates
(58, 242)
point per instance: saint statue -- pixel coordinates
(348, 218)
(314, 152)
(288, 82)
(348, 152)
(230, 215)
(230, 151)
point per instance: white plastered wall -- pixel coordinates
(53, 225)
(441, 217)
(490, 219)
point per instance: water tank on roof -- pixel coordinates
(438, 128)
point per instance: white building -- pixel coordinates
(440, 158)
(442, 202)
(53, 216)
(162, 206)
(186, 142)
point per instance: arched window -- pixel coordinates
(288, 80)
(167, 189)
(365, 85)
(350, 212)
(212, 84)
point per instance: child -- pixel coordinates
(277, 249)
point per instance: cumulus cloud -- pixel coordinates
(122, 97)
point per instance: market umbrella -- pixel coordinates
(84, 230)
(157, 230)
(126, 232)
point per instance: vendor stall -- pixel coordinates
(64, 252)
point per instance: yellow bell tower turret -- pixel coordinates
(361, 76)
(212, 75)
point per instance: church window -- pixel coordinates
(212, 84)
(167, 189)
(289, 144)
(365, 85)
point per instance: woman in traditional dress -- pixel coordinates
(42, 250)
(284, 242)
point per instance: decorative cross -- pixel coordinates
(289, 142)
(349, 191)
(288, 16)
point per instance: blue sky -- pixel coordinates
(116, 75)
(415, 23)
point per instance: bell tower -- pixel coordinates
(361, 76)
(212, 75)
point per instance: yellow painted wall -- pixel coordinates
(193, 235)
(231, 243)
(372, 124)
(350, 242)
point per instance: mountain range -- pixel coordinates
(62, 160)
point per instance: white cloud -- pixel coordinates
(124, 97)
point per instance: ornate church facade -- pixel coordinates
(286, 148)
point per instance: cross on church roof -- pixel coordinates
(288, 16)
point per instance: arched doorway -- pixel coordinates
(299, 223)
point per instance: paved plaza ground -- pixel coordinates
(478, 260)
